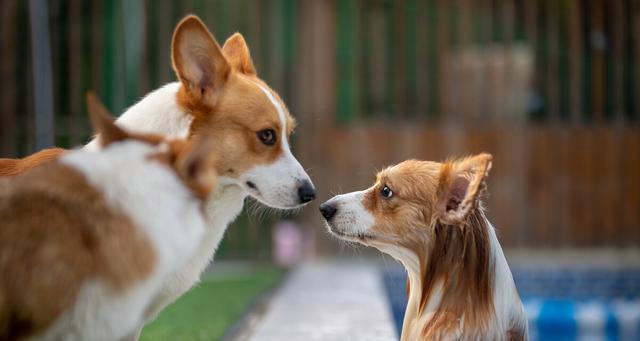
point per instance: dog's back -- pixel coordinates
(11, 167)
(87, 240)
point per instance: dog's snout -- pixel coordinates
(306, 192)
(328, 211)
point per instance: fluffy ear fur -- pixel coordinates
(459, 185)
(198, 60)
(102, 121)
(237, 53)
(195, 163)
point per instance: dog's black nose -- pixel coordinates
(328, 211)
(306, 192)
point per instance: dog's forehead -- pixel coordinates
(263, 96)
(409, 174)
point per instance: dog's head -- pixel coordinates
(398, 213)
(193, 160)
(222, 91)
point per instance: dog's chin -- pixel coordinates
(275, 204)
(360, 237)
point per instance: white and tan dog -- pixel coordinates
(429, 216)
(87, 241)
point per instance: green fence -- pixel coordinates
(396, 58)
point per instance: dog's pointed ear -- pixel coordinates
(195, 163)
(102, 121)
(198, 60)
(460, 183)
(237, 53)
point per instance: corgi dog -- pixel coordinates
(429, 216)
(88, 240)
(218, 89)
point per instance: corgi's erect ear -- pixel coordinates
(459, 185)
(195, 162)
(198, 60)
(102, 121)
(237, 53)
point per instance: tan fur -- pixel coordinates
(58, 232)
(232, 107)
(237, 53)
(11, 167)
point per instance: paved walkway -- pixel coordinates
(328, 301)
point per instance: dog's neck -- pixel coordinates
(158, 112)
(461, 286)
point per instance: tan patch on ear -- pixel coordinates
(58, 232)
(237, 53)
(11, 167)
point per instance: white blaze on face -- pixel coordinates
(277, 183)
(351, 217)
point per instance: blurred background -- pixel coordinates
(551, 88)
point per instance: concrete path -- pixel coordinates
(330, 300)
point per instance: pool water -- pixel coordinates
(562, 303)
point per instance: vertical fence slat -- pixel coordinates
(598, 60)
(552, 57)
(422, 86)
(443, 32)
(8, 83)
(618, 32)
(399, 56)
(348, 70)
(42, 73)
(163, 32)
(635, 31)
(575, 59)
(75, 66)
(464, 73)
(133, 27)
(96, 46)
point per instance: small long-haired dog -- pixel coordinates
(429, 216)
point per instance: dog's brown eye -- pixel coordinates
(386, 192)
(267, 136)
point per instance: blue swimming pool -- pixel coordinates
(562, 303)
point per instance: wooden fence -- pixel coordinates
(550, 87)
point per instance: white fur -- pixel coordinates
(277, 183)
(157, 112)
(353, 219)
(154, 198)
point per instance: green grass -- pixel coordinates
(208, 310)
